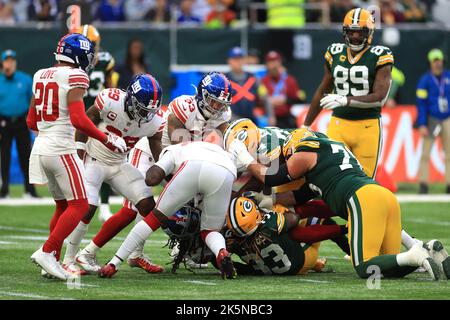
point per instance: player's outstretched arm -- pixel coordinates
(80, 137)
(154, 175)
(155, 145)
(325, 87)
(78, 117)
(380, 92)
(32, 116)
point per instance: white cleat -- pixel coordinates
(419, 254)
(105, 213)
(46, 275)
(88, 262)
(47, 261)
(438, 253)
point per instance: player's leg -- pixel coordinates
(5, 156)
(68, 172)
(341, 130)
(95, 175)
(369, 209)
(105, 211)
(425, 163)
(179, 191)
(215, 183)
(445, 135)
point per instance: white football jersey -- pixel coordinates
(114, 119)
(172, 157)
(50, 89)
(185, 109)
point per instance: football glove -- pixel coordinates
(331, 101)
(115, 143)
(240, 153)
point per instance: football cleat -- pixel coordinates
(225, 264)
(419, 255)
(144, 263)
(438, 253)
(88, 262)
(107, 271)
(74, 270)
(46, 275)
(47, 261)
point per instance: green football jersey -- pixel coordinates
(337, 174)
(271, 142)
(270, 250)
(355, 76)
(98, 77)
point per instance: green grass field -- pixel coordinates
(23, 229)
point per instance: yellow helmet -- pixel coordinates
(360, 20)
(293, 141)
(90, 32)
(243, 217)
(244, 130)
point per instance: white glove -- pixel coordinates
(331, 101)
(262, 200)
(240, 153)
(116, 143)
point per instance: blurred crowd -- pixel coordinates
(217, 13)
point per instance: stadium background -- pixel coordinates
(177, 55)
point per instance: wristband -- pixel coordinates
(80, 145)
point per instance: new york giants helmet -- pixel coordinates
(213, 94)
(184, 223)
(144, 97)
(77, 49)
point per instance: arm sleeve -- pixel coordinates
(32, 119)
(421, 102)
(328, 58)
(81, 122)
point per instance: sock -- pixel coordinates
(74, 242)
(113, 226)
(91, 248)
(404, 259)
(407, 240)
(214, 240)
(314, 233)
(61, 205)
(139, 251)
(67, 222)
(137, 235)
(314, 208)
(388, 266)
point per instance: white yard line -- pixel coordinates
(29, 295)
(428, 221)
(8, 242)
(314, 281)
(201, 282)
(43, 231)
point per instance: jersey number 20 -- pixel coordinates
(47, 101)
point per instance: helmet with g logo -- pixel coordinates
(243, 217)
(246, 131)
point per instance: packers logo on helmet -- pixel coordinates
(245, 131)
(358, 29)
(294, 139)
(90, 32)
(243, 217)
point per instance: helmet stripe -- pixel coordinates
(155, 90)
(234, 223)
(85, 30)
(356, 15)
(225, 80)
(61, 41)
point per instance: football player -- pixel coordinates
(56, 110)
(194, 117)
(131, 114)
(270, 242)
(373, 212)
(100, 77)
(197, 168)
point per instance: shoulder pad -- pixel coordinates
(383, 55)
(183, 108)
(77, 78)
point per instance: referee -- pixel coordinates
(15, 95)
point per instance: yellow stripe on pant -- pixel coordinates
(364, 138)
(374, 223)
(311, 250)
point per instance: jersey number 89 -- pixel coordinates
(354, 80)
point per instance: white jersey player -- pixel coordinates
(198, 168)
(56, 110)
(132, 115)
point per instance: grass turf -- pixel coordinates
(23, 229)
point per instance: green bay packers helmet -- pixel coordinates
(243, 217)
(293, 141)
(244, 130)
